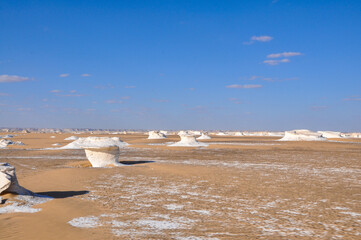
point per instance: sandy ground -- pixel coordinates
(236, 188)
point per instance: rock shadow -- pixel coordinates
(134, 162)
(62, 194)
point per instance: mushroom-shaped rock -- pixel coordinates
(156, 135)
(302, 135)
(204, 136)
(188, 140)
(9, 182)
(103, 156)
(95, 142)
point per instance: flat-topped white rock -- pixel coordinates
(95, 142)
(156, 135)
(330, 134)
(103, 156)
(8, 181)
(302, 135)
(71, 138)
(203, 137)
(188, 140)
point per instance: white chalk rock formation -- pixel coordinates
(204, 136)
(103, 156)
(156, 135)
(330, 134)
(95, 142)
(72, 138)
(8, 181)
(4, 143)
(302, 135)
(188, 140)
(52, 137)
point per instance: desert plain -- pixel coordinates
(236, 188)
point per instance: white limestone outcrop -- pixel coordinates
(103, 156)
(203, 137)
(302, 135)
(9, 182)
(188, 140)
(95, 142)
(330, 134)
(72, 138)
(156, 135)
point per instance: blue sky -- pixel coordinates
(241, 65)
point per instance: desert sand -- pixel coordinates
(236, 188)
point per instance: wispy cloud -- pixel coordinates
(244, 86)
(160, 100)
(268, 79)
(284, 54)
(70, 95)
(55, 91)
(12, 78)
(276, 62)
(258, 39)
(192, 89)
(4, 94)
(64, 75)
(235, 100)
(130, 87)
(353, 98)
(104, 86)
(113, 101)
(86, 75)
(24, 109)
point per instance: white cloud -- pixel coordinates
(55, 91)
(86, 75)
(64, 75)
(12, 78)
(72, 91)
(262, 38)
(4, 94)
(276, 62)
(130, 86)
(353, 98)
(284, 54)
(244, 86)
(258, 39)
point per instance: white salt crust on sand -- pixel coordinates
(85, 222)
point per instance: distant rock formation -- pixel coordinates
(72, 138)
(156, 135)
(203, 137)
(188, 140)
(330, 134)
(302, 135)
